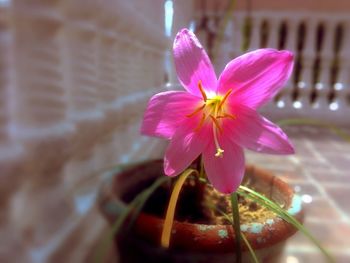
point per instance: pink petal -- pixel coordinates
(185, 146)
(252, 131)
(224, 173)
(192, 63)
(166, 111)
(257, 76)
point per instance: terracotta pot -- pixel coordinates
(195, 242)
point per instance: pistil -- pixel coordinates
(219, 151)
(216, 127)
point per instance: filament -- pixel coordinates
(202, 90)
(196, 111)
(225, 98)
(200, 123)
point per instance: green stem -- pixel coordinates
(251, 250)
(236, 226)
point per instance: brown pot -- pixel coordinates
(195, 242)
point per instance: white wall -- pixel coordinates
(75, 77)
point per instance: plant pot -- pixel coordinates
(192, 242)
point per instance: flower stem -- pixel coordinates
(169, 217)
(236, 226)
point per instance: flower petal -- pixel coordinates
(193, 64)
(185, 146)
(257, 76)
(224, 173)
(252, 131)
(166, 111)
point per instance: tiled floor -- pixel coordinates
(320, 173)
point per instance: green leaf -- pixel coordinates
(264, 201)
(251, 250)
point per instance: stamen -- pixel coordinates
(202, 91)
(226, 115)
(217, 124)
(225, 97)
(231, 116)
(200, 123)
(196, 111)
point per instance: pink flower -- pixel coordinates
(218, 117)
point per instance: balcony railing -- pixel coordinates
(319, 87)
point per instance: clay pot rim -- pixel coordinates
(211, 238)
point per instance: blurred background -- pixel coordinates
(75, 78)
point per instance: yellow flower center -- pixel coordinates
(213, 109)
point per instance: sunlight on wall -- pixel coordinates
(292, 259)
(169, 13)
(4, 2)
(192, 26)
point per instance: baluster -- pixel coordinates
(308, 54)
(273, 34)
(255, 34)
(202, 27)
(202, 35)
(212, 30)
(323, 87)
(342, 85)
(285, 95)
(224, 51)
(237, 26)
